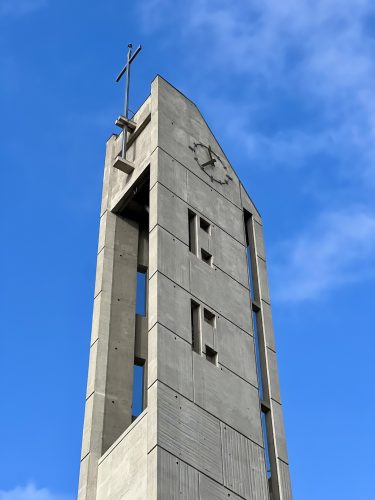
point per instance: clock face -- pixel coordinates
(211, 163)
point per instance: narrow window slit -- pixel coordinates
(206, 257)
(138, 388)
(192, 232)
(195, 327)
(141, 293)
(206, 226)
(266, 443)
(211, 355)
(209, 317)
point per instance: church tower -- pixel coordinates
(183, 399)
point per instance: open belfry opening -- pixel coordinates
(183, 399)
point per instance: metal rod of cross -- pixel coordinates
(126, 69)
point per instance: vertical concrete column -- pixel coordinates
(95, 400)
(280, 481)
(109, 387)
(120, 358)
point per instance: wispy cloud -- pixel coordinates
(304, 74)
(320, 52)
(31, 492)
(16, 8)
(339, 249)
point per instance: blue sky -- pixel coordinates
(289, 90)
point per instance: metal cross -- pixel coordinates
(126, 69)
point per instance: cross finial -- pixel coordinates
(126, 69)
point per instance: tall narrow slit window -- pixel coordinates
(250, 273)
(266, 443)
(193, 240)
(195, 327)
(257, 355)
(141, 293)
(138, 388)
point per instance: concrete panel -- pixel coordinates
(273, 376)
(214, 385)
(209, 490)
(217, 209)
(189, 432)
(278, 425)
(83, 479)
(259, 241)
(244, 466)
(104, 266)
(170, 173)
(101, 316)
(152, 419)
(152, 476)
(109, 156)
(92, 427)
(170, 361)
(208, 283)
(106, 230)
(170, 306)
(171, 213)
(122, 473)
(172, 257)
(92, 370)
(268, 326)
(230, 256)
(236, 350)
(285, 486)
(263, 281)
(176, 479)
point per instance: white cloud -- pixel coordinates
(339, 249)
(31, 492)
(320, 50)
(20, 7)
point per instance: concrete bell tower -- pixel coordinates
(183, 399)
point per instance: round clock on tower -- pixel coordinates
(211, 163)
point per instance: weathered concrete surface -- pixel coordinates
(201, 434)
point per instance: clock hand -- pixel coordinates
(209, 162)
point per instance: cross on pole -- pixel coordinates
(126, 69)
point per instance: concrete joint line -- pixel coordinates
(200, 214)
(209, 413)
(201, 302)
(201, 179)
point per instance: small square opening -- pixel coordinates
(209, 317)
(206, 226)
(206, 257)
(211, 355)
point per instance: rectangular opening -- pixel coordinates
(250, 273)
(138, 388)
(206, 257)
(209, 317)
(257, 354)
(266, 444)
(193, 241)
(206, 226)
(211, 355)
(195, 327)
(141, 294)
